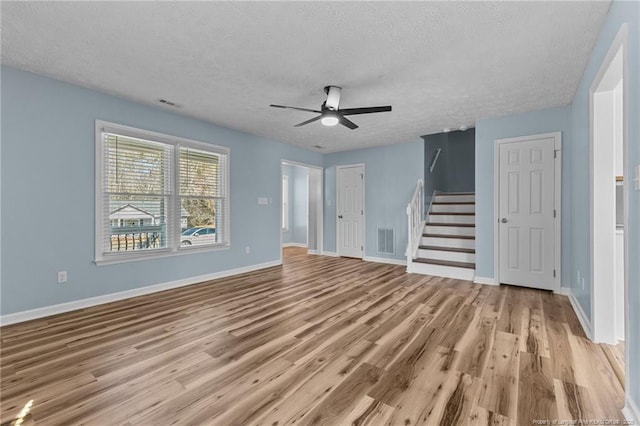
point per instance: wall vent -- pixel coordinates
(385, 241)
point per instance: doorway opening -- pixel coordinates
(301, 206)
(609, 196)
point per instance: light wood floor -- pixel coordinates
(318, 341)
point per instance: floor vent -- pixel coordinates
(385, 241)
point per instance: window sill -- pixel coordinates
(157, 254)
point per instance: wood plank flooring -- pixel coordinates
(318, 341)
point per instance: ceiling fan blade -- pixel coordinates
(299, 109)
(348, 123)
(366, 110)
(308, 121)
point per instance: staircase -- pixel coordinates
(447, 245)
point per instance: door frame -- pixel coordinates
(557, 136)
(320, 211)
(602, 324)
(364, 209)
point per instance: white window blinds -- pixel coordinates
(203, 197)
(158, 193)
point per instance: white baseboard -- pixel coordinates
(582, 317)
(484, 280)
(564, 291)
(314, 252)
(294, 245)
(113, 297)
(329, 253)
(631, 411)
(385, 260)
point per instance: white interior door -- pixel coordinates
(526, 206)
(350, 211)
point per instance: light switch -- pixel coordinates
(263, 201)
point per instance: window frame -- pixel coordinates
(173, 217)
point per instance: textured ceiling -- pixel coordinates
(439, 64)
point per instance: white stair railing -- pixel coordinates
(415, 222)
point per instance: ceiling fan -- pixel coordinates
(330, 115)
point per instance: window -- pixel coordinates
(152, 189)
(285, 202)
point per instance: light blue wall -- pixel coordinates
(48, 193)
(619, 13)
(391, 173)
(487, 131)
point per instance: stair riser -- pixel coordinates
(454, 198)
(447, 255)
(444, 218)
(455, 208)
(443, 271)
(448, 242)
(449, 230)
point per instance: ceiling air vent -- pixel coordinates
(169, 103)
(318, 147)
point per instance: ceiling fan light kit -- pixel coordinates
(330, 114)
(330, 120)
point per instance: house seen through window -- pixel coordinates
(159, 194)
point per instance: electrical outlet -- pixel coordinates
(62, 277)
(247, 249)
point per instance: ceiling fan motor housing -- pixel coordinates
(333, 97)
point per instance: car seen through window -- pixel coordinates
(198, 235)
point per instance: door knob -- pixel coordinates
(339, 216)
(503, 220)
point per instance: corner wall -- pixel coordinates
(391, 173)
(620, 12)
(487, 131)
(455, 169)
(48, 132)
(435, 180)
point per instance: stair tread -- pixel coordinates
(464, 237)
(445, 263)
(440, 248)
(464, 225)
(455, 213)
(455, 193)
(453, 202)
